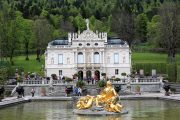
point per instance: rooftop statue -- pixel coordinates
(87, 24)
(107, 100)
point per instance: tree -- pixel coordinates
(4, 23)
(79, 23)
(3, 75)
(123, 24)
(27, 26)
(170, 28)
(13, 39)
(43, 34)
(153, 31)
(141, 27)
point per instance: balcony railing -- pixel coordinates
(89, 65)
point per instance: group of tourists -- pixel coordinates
(77, 91)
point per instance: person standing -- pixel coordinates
(32, 92)
(79, 91)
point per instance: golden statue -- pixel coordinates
(108, 99)
(85, 102)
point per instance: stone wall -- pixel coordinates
(59, 90)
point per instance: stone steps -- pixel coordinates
(176, 86)
(9, 87)
(57, 93)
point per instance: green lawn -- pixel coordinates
(29, 66)
(34, 66)
(152, 58)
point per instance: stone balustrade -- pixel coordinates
(122, 81)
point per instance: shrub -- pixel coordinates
(178, 74)
(147, 74)
(67, 79)
(173, 89)
(171, 71)
(32, 75)
(103, 74)
(12, 70)
(54, 76)
(7, 93)
(80, 83)
(123, 74)
(3, 75)
(101, 83)
(117, 79)
(165, 78)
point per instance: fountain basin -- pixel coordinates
(97, 113)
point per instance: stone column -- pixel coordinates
(100, 57)
(92, 56)
(92, 59)
(75, 58)
(84, 59)
(84, 73)
(92, 76)
(103, 57)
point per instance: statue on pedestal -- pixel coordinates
(107, 100)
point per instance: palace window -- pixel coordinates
(88, 44)
(80, 57)
(116, 58)
(60, 72)
(60, 59)
(96, 57)
(116, 71)
(96, 44)
(80, 44)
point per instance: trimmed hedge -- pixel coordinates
(147, 67)
(12, 70)
(171, 72)
(178, 73)
(4, 64)
(80, 83)
(101, 83)
(3, 75)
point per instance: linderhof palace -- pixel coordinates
(88, 54)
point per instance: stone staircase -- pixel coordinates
(176, 86)
(9, 87)
(56, 93)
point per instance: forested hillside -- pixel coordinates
(28, 25)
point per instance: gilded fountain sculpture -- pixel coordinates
(107, 101)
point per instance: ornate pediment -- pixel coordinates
(87, 35)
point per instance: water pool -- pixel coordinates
(58, 110)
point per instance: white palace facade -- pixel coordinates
(88, 54)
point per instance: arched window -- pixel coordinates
(96, 57)
(80, 57)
